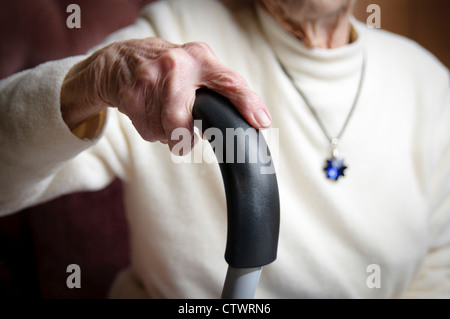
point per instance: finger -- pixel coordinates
(176, 115)
(177, 88)
(217, 77)
(247, 102)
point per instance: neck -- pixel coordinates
(316, 28)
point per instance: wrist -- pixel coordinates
(78, 102)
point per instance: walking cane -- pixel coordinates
(251, 189)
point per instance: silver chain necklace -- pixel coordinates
(335, 166)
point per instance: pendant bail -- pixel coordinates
(333, 143)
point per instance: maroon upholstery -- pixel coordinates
(33, 32)
(88, 229)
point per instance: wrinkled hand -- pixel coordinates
(153, 82)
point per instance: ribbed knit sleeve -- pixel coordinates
(34, 138)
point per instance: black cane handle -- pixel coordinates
(249, 179)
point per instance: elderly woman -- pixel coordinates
(376, 227)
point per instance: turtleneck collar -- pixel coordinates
(329, 78)
(325, 64)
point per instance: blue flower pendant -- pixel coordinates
(335, 168)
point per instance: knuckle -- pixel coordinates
(200, 50)
(173, 59)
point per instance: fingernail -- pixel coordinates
(262, 118)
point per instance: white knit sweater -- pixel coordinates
(392, 209)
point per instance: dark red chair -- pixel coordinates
(87, 229)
